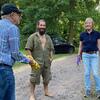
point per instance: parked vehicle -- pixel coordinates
(61, 46)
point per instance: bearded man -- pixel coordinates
(39, 45)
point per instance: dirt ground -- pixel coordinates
(66, 84)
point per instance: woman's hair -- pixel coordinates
(89, 19)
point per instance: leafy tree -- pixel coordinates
(63, 17)
(3, 1)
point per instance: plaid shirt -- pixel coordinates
(9, 44)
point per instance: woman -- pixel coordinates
(89, 48)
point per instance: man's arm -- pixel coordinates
(52, 50)
(28, 48)
(14, 46)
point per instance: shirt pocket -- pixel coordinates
(37, 44)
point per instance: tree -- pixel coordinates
(64, 17)
(3, 1)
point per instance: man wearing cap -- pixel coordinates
(9, 49)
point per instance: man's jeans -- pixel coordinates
(91, 61)
(7, 83)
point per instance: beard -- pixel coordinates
(42, 31)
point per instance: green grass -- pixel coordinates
(56, 56)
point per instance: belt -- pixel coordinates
(1, 64)
(90, 52)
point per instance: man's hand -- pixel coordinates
(33, 63)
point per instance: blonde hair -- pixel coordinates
(89, 19)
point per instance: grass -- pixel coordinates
(56, 56)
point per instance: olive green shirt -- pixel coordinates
(42, 56)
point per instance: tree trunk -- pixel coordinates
(72, 4)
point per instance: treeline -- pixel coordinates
(64, 17)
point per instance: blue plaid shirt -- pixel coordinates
(9, 44)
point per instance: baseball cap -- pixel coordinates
(9, 8)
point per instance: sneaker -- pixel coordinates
(98, 94)
(87, 94)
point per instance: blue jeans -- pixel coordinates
(7, 83)
(91, 62)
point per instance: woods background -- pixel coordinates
(64, 17)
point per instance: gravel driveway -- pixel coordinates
(66, 83)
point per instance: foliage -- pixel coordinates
(63, 17)
(3, 1)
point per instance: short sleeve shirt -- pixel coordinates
(89, 41)
(42, 56)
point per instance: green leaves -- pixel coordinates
(62, 16)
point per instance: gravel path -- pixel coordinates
(66, 83)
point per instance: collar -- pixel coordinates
(7, 20)
(90, 32)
